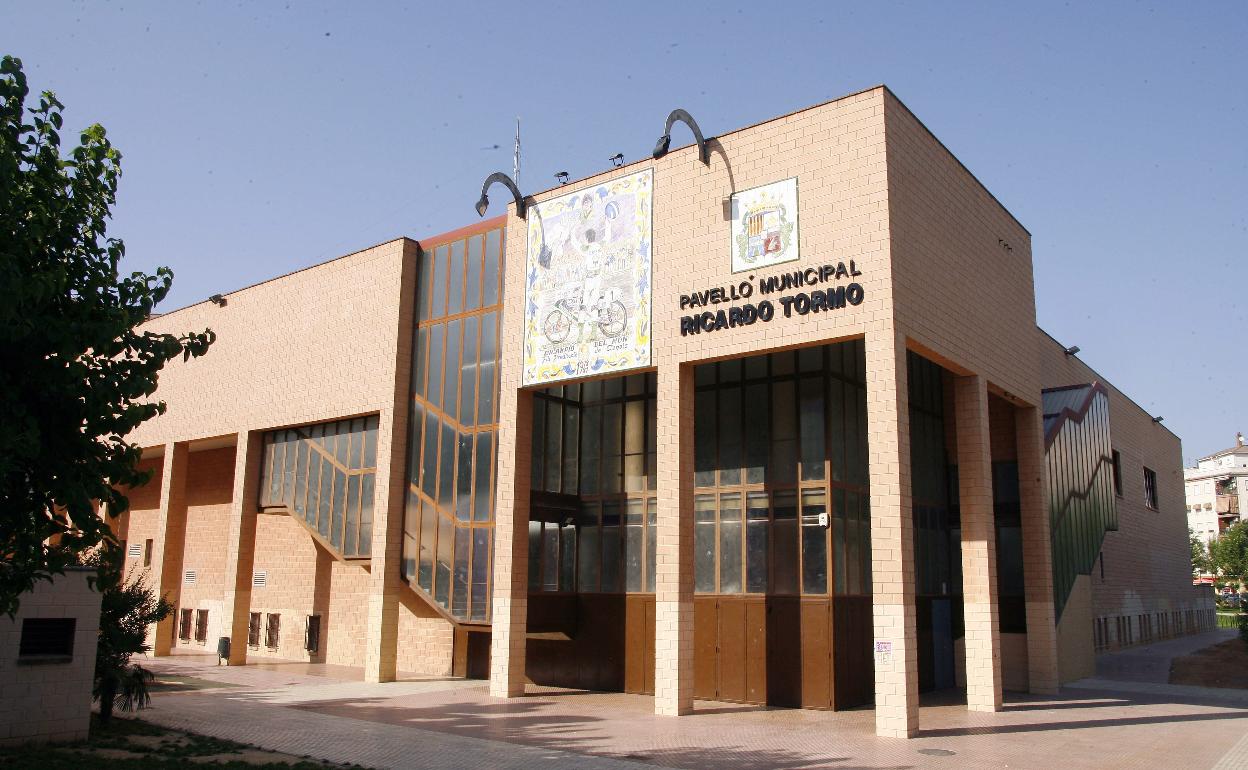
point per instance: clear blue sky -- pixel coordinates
(263, 137)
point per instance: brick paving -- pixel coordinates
(326, 713)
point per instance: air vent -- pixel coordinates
(260, 578)
(134, 551)
(188, 577)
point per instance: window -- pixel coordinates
(448, 517)
(184, 625)
(147, 553)
(253, 630)
(1150, 488)
(312, 634)
(47, 638)
(201, 625)
(1117, 473)
(272, 630)
(324, 474)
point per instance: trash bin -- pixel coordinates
(223, 649)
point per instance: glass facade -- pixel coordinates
(324, 474)
(452, 434)
(592, 527)
(782, 490)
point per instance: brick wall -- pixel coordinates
(425, 638)
(141, 522)
(347, 635)
(957, 291)
(314, 345)
(49, 700)
(209, 486)
(289, 557)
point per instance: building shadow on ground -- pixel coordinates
(529, 722)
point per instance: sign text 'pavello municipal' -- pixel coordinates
(786, 290)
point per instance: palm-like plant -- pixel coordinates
(127, 608)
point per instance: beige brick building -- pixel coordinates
(767, 421)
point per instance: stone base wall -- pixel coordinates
(46, 698)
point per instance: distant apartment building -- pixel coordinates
(1217, 490)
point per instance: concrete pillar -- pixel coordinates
(892, 537)
(511, 536)
(673, 611)
(384, 583)
(169, 542)
(240, 548)
(979, 545)
(1037, 551)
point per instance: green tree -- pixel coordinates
(1200, 555)
(76, 376)
(127, 609)
(1228, 554)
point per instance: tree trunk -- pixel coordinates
(108, 693)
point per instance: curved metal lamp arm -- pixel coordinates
(665, 141)
(499, 177)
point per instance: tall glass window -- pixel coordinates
(449, 521)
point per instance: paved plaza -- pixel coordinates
(1120, 719)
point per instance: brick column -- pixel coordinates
(1033, 487)
(384, 584)
(240, 546)
(979, 545)
(892, 537)
(381, 646)
(169, 542)
(673, 593)
(511, 536)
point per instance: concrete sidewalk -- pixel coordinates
(456, 724)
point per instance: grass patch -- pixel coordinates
(132, 744)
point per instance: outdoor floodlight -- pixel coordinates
(1072, 350)
(561, 177)
(665, 141)
(617, 159)
(499, 177)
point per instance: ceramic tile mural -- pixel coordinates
(587, 286)
(764, 226)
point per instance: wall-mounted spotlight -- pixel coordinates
(562, 177)
(1158, 419)
(499, 177)
(1072, 350)
(665, 141)
(218, 300)
(617, 159)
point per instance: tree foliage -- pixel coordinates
(76, 375)
(1200, 554)
(1228, 554)
(127, 609)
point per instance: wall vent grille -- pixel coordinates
(189, 577)
(260, 578)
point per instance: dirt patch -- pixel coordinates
(137, 745)
(1222, 665)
